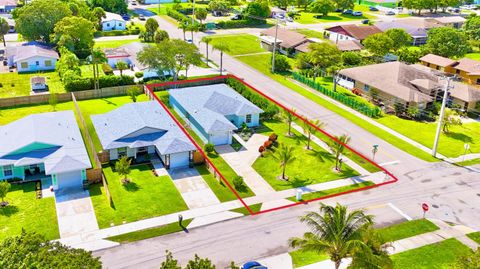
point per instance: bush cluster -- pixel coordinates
(270, 109)
(209, 148)
(83, 84)
(177, 15)
(134, 31)
(239, 23)
(107, 69)
(238, 183)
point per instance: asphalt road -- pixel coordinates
(452, 192)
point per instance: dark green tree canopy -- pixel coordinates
(378, 44)
(399, 37)
(258, 8)
(447, 42)
(322, 6)
(76, 34)
(115, 6)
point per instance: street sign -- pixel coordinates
(425, 207)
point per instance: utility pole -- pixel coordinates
(442, 114)
(159, 9)
(275, 45)
(193, 14)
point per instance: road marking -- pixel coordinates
(400, 211)
(389, 163)
(374, 207)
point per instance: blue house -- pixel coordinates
(7, 6)
(144, 128)
(214, 111)
(31, 58)
(46, 146)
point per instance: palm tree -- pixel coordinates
(338, 147)
(222, 47)
(310, 127)
(98, 57)
(206, 40)
(376, 256)
(122, 167)
(194, 28)
(4, 28)
(285, 155)
(184, 26)
(121, 65)
(288, 117)
(334, 231)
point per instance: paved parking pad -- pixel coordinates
(194, 190)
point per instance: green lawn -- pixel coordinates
(407, 229)
(15, 84)
(310, 33)
(10, 114)
(310, 167)
(475, 236)
(302, 258)
(149, 233)
(318, 194)
(309, 18)
(27, 212)
(255, 208)
(165, 6)
(87, 71)
(114, 43)
(239, 44)
(441, 255)
(474, 56)
(145, 197)
(469, 162)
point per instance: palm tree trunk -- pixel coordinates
(336, 162)
(184, 35)
(4, 44)
(207, 51)
(192, 36)
(308, 141)
(337, 264)
(283, 171)
(221, 62)
(290, 128)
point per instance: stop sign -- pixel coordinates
(425, 207)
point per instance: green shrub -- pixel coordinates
(238, 183)
(78, 84)
(113, 81)
(107, 69)
(281, 63)
(209, 148)
(177, 15)
(138, 74)
(239, 23)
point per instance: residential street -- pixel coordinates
(453, 193)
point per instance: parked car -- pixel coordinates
(253, 265)
(141, 17)
(348, 12)
(456, 10)
(338, 10)
(372, 8)
(125, 17)
(390, 13)
(188, 40)
(289, 19)
(367, 21)
(236, 17)
(357, 13)
(133, 3)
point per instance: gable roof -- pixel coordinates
(60, 148)
(289, 39)
(465, 92)
(129, 51)
(20, 53)
(412, 30)
(212, 103)
(449, 19)
(395, 78)
(472, 67)
(437, 60)
(109, 16)
(139, 125)
(355, 31)
(349, 45)
(8, 2)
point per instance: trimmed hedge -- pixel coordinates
(269, 108)
(177, 15)
(374, 112)
(239, 23)
(117, 32)
(83, 84)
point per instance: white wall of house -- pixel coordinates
(113, 25)
(339, 37)
(220, 138)
(181, 159)
(346, 82)
(113, 154)
(37, 63)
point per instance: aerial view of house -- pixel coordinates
(351, 32)
(31, 58)
(467, 69)
(112, 22)
(288, 42)
(144, 128)
(7, 6)
(215, 112)
(418, 34)
(46, 146)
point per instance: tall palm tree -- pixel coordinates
(121, 65)
(193, 28)
(184, 26)
(206, 40)
(339, 147)
(222, 47)
(334, 231)
(4, 28)
(376, 256)
(288, 117)
(310, 128)
(98, 57)
(285, 155)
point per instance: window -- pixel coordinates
(120, 24)
(457, 71)
(37, 63)
(108, 24)
(48, 63)
(248, 118)
(122, 152)
(7, 171)
(24, 65)
(478, 81)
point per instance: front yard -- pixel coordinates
(15, 84)
(27, 212)
(239, 44)
(145, 197)
(311, 18)
(310, 167)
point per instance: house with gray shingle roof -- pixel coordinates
(214, 111)
(143, 128)
(31, 58)
(44, 146)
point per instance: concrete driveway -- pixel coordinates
(75, 212)
(194, 190)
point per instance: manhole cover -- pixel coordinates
(435, 206)
(478, 194)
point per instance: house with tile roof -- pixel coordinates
(351, 32)
(214, 111)
(144, 128)
(31, 58)
(45, 146)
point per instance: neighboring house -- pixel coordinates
(351, 32)
(143, 128)
(38, 84)
(288, 42)
(418, 34)
(112, 22)
(128, 53)
(449, 21)
(31, 58)
(277, 12)
(467, 69)
(215, 111)
(7, 6)
(44, 146)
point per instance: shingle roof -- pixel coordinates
(395, 78)
(437, 60)
(112, 16)
(138, 125)
(211, 104)
(62, 147)
(8, 2)
(355, 31)
(25, 52)
(349, 45)
(449, 19)
(412, 30)
(465, 92)
(290, 39)
(472, 67)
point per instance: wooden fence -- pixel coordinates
(65, 97)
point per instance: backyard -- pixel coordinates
(114, 43)
(144, 197)
(27, 212)
(10, 114)
(15, 84)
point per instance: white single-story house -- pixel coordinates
(112, 22)
(351, 32)
(143, 128)
(44, 146)
(31, 58)
(7, 6)
(214, 111)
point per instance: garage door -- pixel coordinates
(179, 160)
(220, 138)
(69, 180)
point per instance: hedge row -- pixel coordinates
(269, 108)
(239, 23)
(83, 84)
(117, 32)
(179, 16)
(347, 100)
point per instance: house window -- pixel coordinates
(37, 63)
(248, 118)
(24, 65)
(108, 24)
(7, 171)
(120, 24)
(478, 81)
(457, 71)
(122, 152)
(48, 63)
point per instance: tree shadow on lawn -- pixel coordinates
(8, 210)
(459, 136)
(321, 155)
(95, 190)
(131, 186)
(296, 182)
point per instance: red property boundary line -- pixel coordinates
(388, 173)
